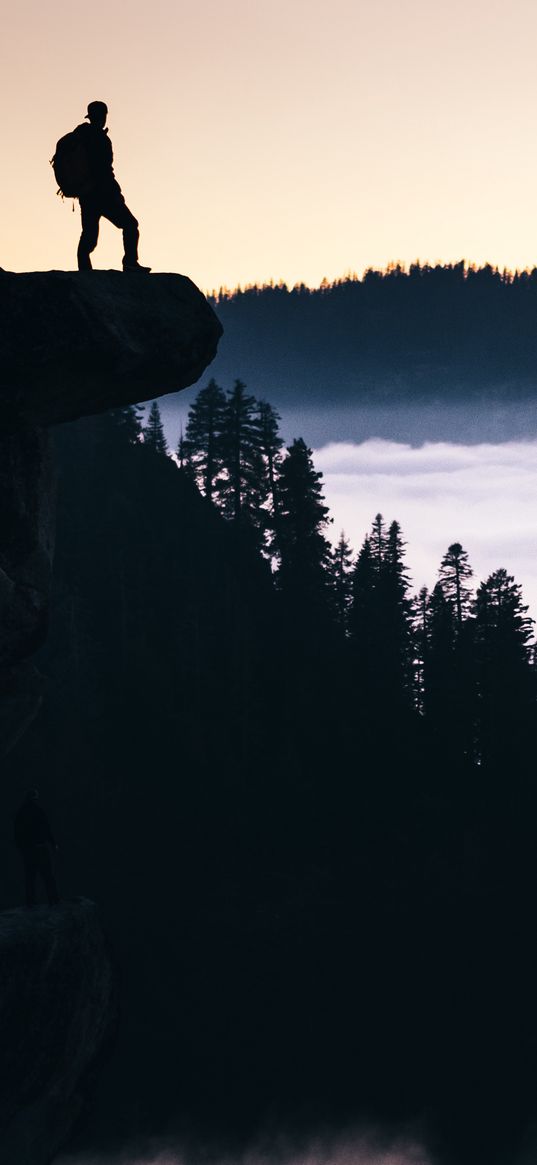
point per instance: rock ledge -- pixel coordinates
(74, 343)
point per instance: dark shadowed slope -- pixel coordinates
(72, 344)
(57, 1013)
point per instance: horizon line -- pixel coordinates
(393, 267)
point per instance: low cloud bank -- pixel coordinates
(484, 496)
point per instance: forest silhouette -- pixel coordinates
(304, 796)
(446, 331)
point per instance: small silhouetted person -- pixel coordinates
(33, 837)
(104, 198)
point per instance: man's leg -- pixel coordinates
(90, 233)
(131, 235)
(118, 213)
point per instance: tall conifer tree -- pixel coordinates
(153, 431)
(271, 445)
(341, 576)
(202, 446)
(380, 618)
(242, 485)
(304, 552)
(505, 677)
(455, 570)
(420, 640)
(439, 663)
(378, 541)
(362, 610)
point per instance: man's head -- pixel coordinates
(32, 795)
(97, 113)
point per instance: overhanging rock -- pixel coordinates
(58, 1017)
(76, 343)
(72, 344)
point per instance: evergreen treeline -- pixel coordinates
(304, 798)
(463, 661)
(442, 331)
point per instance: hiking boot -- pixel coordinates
(127, 267)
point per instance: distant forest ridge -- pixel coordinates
(429, 332)
(462, 269)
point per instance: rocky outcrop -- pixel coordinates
(74, 343)
(57, 1017)
(27, 485)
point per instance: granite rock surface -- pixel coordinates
(58, 1017)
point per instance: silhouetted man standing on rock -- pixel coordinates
(33, 837)
(103, 197)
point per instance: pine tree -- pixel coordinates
(394, 558)
(501, 617)
(380, 617)
(182, 455)
(420, 640)
(271, 445)
(378, 542)
(505, 677)
(202, 445)
(242, 487)
(303, 550)
(127, 422)
(183, 458)
(394, 609)
(453, 574)
(439, 676)
(449, 678)
(153, 432)
(341, 579)
(363, 597)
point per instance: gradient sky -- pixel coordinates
(289, 139)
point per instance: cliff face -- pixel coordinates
(27, 485)
(57, 1013)
(75, 343)
(72, 344)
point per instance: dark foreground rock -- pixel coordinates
(57, 1018)
(72, 344)
(27, 485)
(75, 343)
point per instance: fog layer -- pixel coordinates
(481, 495)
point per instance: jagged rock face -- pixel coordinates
(76, 343)
(72, 344)
(27, 487)
(57, 1018)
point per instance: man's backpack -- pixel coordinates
(71, 166)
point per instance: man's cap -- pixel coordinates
(96, 107)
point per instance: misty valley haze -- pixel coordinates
(351, 1148)
(465, 471)
(483, 495)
